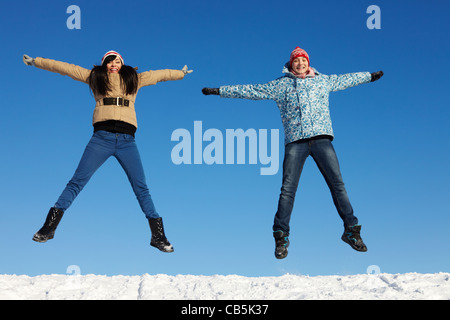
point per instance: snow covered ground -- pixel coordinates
(407, 286)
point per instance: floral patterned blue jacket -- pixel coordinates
(303, 103)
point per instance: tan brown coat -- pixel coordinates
(110, 112)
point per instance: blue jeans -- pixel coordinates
(323, 153)
(102, 145)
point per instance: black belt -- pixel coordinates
(116, 102)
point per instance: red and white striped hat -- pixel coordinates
(112, 53)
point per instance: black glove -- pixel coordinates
(376, 75)
(207, 91)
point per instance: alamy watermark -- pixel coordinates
(190, 148)
(74, 20)
(73, 280)
(374, 21)
(373, 269)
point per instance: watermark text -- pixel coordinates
(190, 148)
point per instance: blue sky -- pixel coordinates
(391, 137)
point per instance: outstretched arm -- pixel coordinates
(246, 91)
(344, 81)
(151, 77)
(66, 69)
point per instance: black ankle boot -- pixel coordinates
(281, 244)
(159, 239)
(47, 231)
(352, 236)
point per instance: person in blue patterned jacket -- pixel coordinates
(302, 97)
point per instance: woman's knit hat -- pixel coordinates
(112, 53)
(298, 52)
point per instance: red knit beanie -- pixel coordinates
(298, 52)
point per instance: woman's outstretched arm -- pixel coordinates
(344, 81)
(66, 69)
(151, 77)
(266, 91)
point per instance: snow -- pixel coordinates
(408, 286)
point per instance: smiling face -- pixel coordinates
(300, 65)
(114, 65)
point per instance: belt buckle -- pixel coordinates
(118, 102)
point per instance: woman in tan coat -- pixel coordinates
(114, 86)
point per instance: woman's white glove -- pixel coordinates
(29, 61)
(185, 70)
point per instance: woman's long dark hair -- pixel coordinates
(99, 81)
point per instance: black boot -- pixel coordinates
(159, 239)
(47, 231)
(281, 244)
(352, 236)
